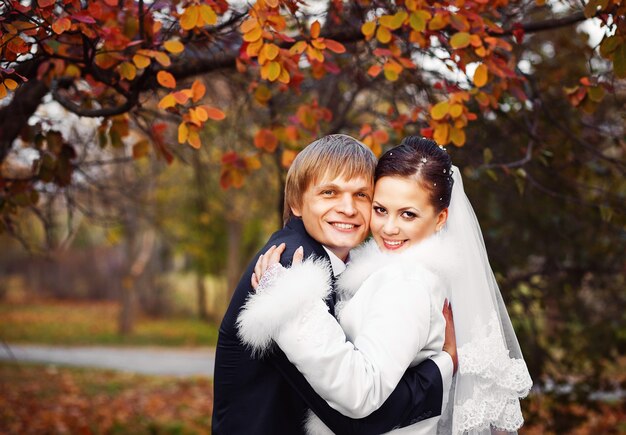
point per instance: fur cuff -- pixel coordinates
(294, 292)
(315, 426)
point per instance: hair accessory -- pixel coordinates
(444, 171)
(424, 160)
(391, 153)
(434, 184)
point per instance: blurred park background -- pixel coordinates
(143, 160)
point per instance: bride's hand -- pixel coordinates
(449, 344)
(271, 258)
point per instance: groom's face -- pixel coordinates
(336, 212)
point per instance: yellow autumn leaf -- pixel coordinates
(442, 134)
(383, 34)
(183, 132)
(200, 113)
(368, 28)
(314, 54)
(456, 110)
(457, 136)
(439, 110)
(194, 138)
(189, 18)
(10, 84)
(273, 71)
(284, 76)
(417, 21)
(481, 75)
(298, 47)
(167, 102)
(390, 75)
(460, 40)
(249, 24)
(141, 61)
(392, 22)
(315, 29)
(271, 51)
(208, 15)
(127, 70)
(166, 79)
(162, 58)
(174, 46)
(253, 35)
(438, 22)
(3, 91)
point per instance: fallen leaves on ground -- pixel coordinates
(40, 399)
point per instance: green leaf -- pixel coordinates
(487, 156)
(596, 93)
(619, 61)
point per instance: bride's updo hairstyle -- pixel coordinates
(423, 160)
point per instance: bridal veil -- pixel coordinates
(492, 374)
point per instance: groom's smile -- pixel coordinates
(336, 212)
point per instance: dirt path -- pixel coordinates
(148, 360)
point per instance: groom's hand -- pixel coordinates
(449, 344)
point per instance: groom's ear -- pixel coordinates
(295, 211)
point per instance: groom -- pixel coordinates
(328, 195)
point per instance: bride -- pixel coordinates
(427, 247)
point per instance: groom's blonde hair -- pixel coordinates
(332, 156)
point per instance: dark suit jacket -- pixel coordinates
(269, 396)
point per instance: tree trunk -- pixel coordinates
(202, 300)
(233, 267)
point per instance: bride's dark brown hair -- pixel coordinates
(423, 160)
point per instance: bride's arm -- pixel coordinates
(354, 378)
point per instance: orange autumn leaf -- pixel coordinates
(287, 158)
(166, 79)
(61, 25)
(183, 132)
(334, 46)
(174, 46)
(10, 84)
(315, 29)
(213, 113)
(265, 139)
(481, 75)
(374, 70)
(198, 90)
(141, 61)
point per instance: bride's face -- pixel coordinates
(402, 214)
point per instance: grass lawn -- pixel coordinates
(95, 323)
(38, 399)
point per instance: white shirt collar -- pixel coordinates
(335, 262)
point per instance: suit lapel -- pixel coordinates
(317, 250)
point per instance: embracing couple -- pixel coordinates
(321, 337)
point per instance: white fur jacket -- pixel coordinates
(389, 308)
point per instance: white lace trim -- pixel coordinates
(496, 381)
